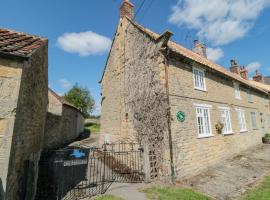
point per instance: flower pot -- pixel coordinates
(266, 140)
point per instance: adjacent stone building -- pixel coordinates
(64, 122)
(187, 112)
(23, 104)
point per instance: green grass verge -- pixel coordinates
(262, 192)
(93, 128)
(172, 193)
(108, 197)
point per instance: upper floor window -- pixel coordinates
(253, 120)
(237, 91)
(199, 79)
(249, 96)
(241, 120)
(203, 120)
(226, 120)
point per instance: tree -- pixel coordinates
(81, 98)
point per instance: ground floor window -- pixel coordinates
(225, 118)
(203, 120)
(241, 120)
(253, 120)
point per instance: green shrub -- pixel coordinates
(267, 135)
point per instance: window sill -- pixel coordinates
(202, 90)
(205, 136)
(230, 133)
(243, 131)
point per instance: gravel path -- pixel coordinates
(232, 178)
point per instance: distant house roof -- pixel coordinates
(62, 100)
(19, 44)
(179, 49)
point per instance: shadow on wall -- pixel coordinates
(1, 190)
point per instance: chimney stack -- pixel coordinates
(244, 73)
(199, 48)
(258, 77)
(127, 10)
(234, 67)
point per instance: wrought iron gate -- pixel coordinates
(76, 173)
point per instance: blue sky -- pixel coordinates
(230, 28)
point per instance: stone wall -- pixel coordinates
(10, 78)
(28, 133)
(191, 154)
(134, 106)
(63, 124)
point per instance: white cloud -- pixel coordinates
(218, 21)
(65, 83)
(268, 69)
(214, 54)
(84, 43)
(252, 67)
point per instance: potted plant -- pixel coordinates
(266, 138)
(219, 127)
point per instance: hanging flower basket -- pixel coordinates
(219, 127)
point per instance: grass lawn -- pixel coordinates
(108, 197)
(93, 128)
(262, 192)
(172, 193)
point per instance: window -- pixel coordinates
(249, 96)
(237, 91)
(225, 118)
(199, 79)
(203, 120)
(253, 120)
(241, 120)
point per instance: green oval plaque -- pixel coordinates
(181, 116)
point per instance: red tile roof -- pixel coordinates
(179, 49)
(18, 43)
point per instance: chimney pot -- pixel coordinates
(244, 73)
(127, 9)
(234, 67)
(199, 48)
(258, 77)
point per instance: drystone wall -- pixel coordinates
(63, 124)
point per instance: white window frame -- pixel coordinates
(199, 80)
(241, 120)
(253, 120)
(237, 92)
(205, 117)
(225, 118)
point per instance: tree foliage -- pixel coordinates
(81, 98)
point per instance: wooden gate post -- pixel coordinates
(146, 163)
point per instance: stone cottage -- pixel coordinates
(187, 112)
(23, 104)
(64, 122)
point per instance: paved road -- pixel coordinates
(235, 176)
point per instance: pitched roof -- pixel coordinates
(62, 100)
(198, 58)
(261, 85)
(18, 43)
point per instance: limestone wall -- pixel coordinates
(134, 106)
(28, 134)
(63, 124)
(10, 76)
(192, 154)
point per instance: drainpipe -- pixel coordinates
(169, 114)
